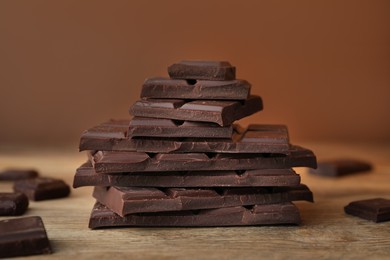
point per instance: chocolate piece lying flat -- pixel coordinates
(42, 188)
(268, 214)
(86, 176)
(376, 210)
(130, 200)
(195, 89)
(22, 237)
(221, 112)
(112, 161)
(13, 204)
(161, 127)
(17, 174)
(111, 136)
(341, 167)
(211, 70)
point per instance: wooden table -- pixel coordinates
(325, 232)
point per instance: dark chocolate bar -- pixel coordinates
(377, 210)
(267, 214)
(130, 200)
(221, 112)
(42, 188)
(195, 89)
(17, 174)
(208, 70)
(22, 237)
(113, 161)
(341, 167)
(86, 176)
(111, 136)
(13, 204)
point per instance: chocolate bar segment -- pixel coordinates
(119, 162)
(267, 214)
(130, 200)
(377, 210)
(195, 89)
(17, 174)
(208, 70)
(86, 176)
(23, 237)
(223, 113)
(341, 167)
(13, 204)
(42, 188)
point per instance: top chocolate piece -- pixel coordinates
(208, 70)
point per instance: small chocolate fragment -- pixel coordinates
(42, 188)
(209, 70)
(23, 237)
(223, 113)
(377, 210)
(130, 200)
(341, 167)
(86, 176)
(267, 214)
(13, 204)
(17, 174)
(195, 89)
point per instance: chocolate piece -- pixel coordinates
(17, 174)
(221, 112)
(211, 70)
(110, 136)
(268, 214)
(341, 167)
(130, 200)
(195, 89)
(377, 210)
(13, 204)
(112, 161)
(42, 188)
(22, 237)
(86, 176)
(161, 127)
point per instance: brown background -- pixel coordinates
(322, 67)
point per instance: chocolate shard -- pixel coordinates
(87, 176)
(13, 204)
(223, 113)
(267, 214)
(129, 200)
(208, 70)
(195, 89)
(377, 210)
(23, 237)
(341, 167)
(119, 162)
(42, 188)
(17, 174)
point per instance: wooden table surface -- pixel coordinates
(326, 231)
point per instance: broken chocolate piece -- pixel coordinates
(42, 188)
(341, 167)
(13, 204)
(17, 174)
(377, 210)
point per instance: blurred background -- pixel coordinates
(321, 67)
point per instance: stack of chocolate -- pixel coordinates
(180, 161)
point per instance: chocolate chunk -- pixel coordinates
(86, 176)
(17, 174)
(341, 167)
(377, 210)
(130, 200)
(22, 237)
(112, 161)
(42, 188)
(223, 113)
(13, 204)
(209, 70)
(195, 89)
(267, 214)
